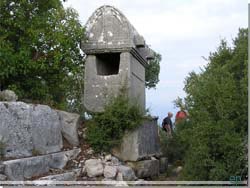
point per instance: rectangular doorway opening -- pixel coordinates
(107, 64)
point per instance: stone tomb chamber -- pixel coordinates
(116, 57)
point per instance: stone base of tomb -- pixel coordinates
(142, 143)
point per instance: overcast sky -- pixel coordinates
(182, 31)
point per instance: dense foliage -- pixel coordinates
(105, 130)
(217, 103)
(39, 54)
(152, 71)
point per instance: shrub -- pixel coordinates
(215, 153)
(174, 148)
(105, 130)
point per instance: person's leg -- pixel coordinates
(169, 131)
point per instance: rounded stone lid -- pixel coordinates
(109, 28)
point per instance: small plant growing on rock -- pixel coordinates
(35, 152)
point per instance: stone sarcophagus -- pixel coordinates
(116, 57)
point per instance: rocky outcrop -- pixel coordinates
(36, 130)
(28, 129)
(21, 169)
(70, 124)
(8, 95)
(140, 143)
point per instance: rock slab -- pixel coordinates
(70, 124)
(140, 143)
(67, 176)
(21, 169)
(28, 129)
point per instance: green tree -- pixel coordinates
(152, 71)
(39, 50)
(217, 104)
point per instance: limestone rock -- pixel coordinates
(146, 168)
(59, 160)
(140, 143)
(70, 124)
(127, 173)
(115, 161)
(67, 176)
(94, 167)
(163, 164)
(3, 177)
(21, 169)
(110, 171)
(28, 129)
(108, 158)
(8, 95)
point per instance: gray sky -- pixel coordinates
(182, 31)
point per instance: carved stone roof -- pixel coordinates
(108, 30)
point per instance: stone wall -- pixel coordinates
(141, 143)
(28, 129)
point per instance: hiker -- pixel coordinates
(180, 116)
(167, 124)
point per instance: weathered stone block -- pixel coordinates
(125, 173)
(110, 171)
(8, 95)
(94, 167)
(67, 176)
(70, 124)
(21, 169)
(146, 168)
(26, 129)
(140, 143)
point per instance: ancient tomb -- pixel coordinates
(116, 57)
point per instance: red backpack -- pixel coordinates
(181, 115)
